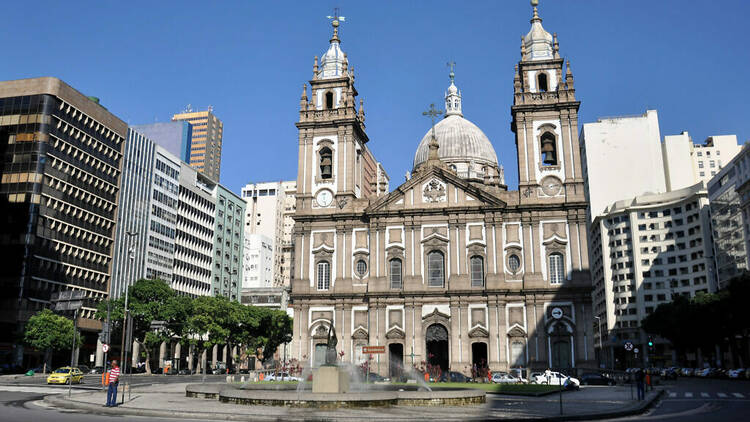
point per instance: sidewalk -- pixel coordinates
(168, 400)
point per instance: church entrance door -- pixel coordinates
(560, 354)
(395, 360)
(478, 360)
(437, 348)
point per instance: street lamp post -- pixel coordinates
(601, 350)
(131, 255)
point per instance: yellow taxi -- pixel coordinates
(65, 375)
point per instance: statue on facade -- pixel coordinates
(331, 345)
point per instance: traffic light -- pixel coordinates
(650, 343)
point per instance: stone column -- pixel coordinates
(502, 335)
(493, 347)
(454, 336)
(162, 353)
(136, 352)
(191, 352)
(99, 361)
(214, 355)
(418, 336)
(224, 352)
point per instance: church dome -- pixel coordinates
(460, 141)
(461, 144)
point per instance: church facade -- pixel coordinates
(450, 268)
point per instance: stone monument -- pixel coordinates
(330, 378)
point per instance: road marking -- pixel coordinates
(42, 390)
(704, 395)
(672, 395)
(722, 395)
(688, 395)
(738, 395)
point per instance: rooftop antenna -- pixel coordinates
(189, 108)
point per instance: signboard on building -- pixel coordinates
(370, 350)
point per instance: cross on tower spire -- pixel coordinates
(451, 65)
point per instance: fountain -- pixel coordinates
(331, 388)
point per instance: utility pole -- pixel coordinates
(70, 300)
(125, 313)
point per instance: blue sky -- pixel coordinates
(148, 60)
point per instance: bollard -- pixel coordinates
(242, 379)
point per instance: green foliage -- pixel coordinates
(202, 322)
(704, 320)
(47, 331)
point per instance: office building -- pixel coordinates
(229, 236)
(194, 238)
(728, 222)
(645, 250)
(614, 149)
(686, 163)
(60, 171)
(175, 137)
(205, 143)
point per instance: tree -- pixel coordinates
(149, 300)
(49, 332)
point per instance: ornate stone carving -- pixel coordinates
(434, 191)
(478, 332)
(395, 333)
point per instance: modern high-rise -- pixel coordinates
(728, 223)
(643, 251)
(60, 171)
(205, 143)
(687, 163)
(175, 137)
(229, 236)
(194, 239)
(614, 149)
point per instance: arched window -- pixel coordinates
(435, 269)
(477, 271)
(542, 82)
(549, 149)
(329, 100)
(395, 273)
(326, 163)
(324, 275)
(556, 270)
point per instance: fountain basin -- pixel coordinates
(378, 395)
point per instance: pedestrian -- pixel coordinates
(114, 380)
(639, 377)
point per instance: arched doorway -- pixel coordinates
(560, 353)
(395, 360)
(478, 359)
(436, 338)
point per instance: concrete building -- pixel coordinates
(258, 263)
(621, 148)
(175, 137)
(686, 163)
(229, 237)
(194, 240)
(60, 177)
(270, 206)
(205, 143)
(644, 250)
(727, 220)
(450, 266)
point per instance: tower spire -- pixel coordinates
(453, 95)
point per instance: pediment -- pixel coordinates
(395, 333)
(478, 331)
(436, 315)
(360, 334)
(516, 331)
(436, 188)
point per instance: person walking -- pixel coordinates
(114, 380)
(639, 377)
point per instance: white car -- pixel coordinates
(282, 376)
(555, 378)
(504, 378)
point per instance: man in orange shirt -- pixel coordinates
(114, 379)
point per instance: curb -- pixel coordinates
(56, 400)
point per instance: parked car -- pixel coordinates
(83, 368)
(557, 378)
(687, 372)
(736, 373)
(97, 370)
(596, 379)
(453, 376)
(373, 377)
(504, 378)
(65, 375)
(669, 373)
(281, 376)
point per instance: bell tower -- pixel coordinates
(545, 120)
(334, 163)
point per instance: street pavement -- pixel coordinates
(696, 399)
